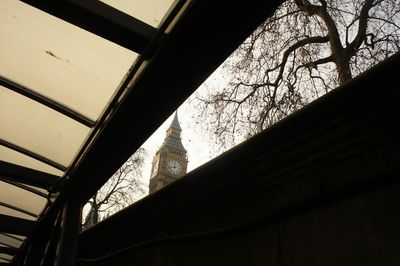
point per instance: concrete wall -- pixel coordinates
(319, 188)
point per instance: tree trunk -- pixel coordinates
(343, 69)
(95, 209)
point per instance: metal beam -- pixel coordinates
(34, 252)
(49, 256)
(100, 19)
(16, 173)
(25, 187)
(67, 246)
(32, 155)
(18, 238)
(4, 204)
(11, 85)
(6, 244)
(8, 250)
(15, 225)
(10, 241)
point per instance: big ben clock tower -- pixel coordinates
(170, 161)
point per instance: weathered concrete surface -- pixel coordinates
(319, 188)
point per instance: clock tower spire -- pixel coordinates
(170, 161)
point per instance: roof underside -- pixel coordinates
(72, 76)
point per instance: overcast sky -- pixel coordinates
(195, 139)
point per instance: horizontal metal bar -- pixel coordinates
(102, 20)
(18, 209)
(6, 244)
(15, 225)
(16, 173)
(12, 236)
(11, 241)
(32, 155)
(8, 250)
(25, 187)
(11, 85)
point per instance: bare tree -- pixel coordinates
(305, 49)
(121, 190)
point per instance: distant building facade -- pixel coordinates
(170, 161)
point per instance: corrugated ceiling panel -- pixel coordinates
(11, 212)
(58, 60)
(41, 190)
(149, 11)
(22, 238)
(6, 256)
(10, 241)
(39, 129)
(21, 198)
(2, 260)
(17, 158)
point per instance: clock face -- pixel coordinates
(174, 167)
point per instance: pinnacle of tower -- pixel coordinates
(175, 122)
(173, 138)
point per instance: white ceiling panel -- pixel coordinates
(58, 60)
(149, 11)
(21, 198)
(39, 129)
(11, 212)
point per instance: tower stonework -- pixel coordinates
(170, 161)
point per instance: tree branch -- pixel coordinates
(313, 64)
(386, 21)
(303, 42)
(362, 29)
(322, 12)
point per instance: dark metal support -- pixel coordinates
(24, 187)
(18, 209)
(14, 225)
(8, 250)
(16, 173)
(67, 247)
(7, 245)
(51, 249)
(37, 244)
(11, 242)
(32, 155)
(100, 19)
(13, 236)
(46, 101)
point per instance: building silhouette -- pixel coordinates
(170, 161)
